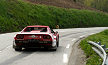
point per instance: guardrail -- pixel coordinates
(100, 50)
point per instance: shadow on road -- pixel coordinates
(37, 50)
(27, 52)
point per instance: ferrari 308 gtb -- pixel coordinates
(36, 36)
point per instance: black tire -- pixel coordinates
(13, 46)
(18, 49)
(58, 43)
(55, 48)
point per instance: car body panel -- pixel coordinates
(36, 37)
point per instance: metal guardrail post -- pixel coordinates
(99, 43)
(103, 46)
(101, 49)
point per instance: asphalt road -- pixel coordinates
(8, 56)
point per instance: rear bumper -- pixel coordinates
(32, 44)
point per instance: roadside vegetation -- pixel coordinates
(92, 57)
(98, 4)
(16, 14)
(62, 3)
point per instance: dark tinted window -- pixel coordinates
(41, 29)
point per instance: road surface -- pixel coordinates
(8, 56)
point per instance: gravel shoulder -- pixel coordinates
(77, 56)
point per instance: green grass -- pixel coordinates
(16, 14)
(92, 57)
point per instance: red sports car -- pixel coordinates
(36, 36)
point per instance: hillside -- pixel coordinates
(62, 3)
(16, 14)
(97, 4)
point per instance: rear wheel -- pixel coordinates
(18, 49)
(55, 48)
(58, 43)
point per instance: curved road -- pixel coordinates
(44, 57)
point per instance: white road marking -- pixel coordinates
(65, 58)
(0, 51)
(68, 45)
(8, 46)
(73, 39)
(82, 36)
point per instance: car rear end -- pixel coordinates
(33, 41)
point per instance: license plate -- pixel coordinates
(33, 40)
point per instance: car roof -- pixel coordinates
(37, 26)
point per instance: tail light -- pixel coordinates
(46, 37)
(20, 36)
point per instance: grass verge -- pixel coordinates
(92, 57)
(16, 14)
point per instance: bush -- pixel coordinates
(16, 14)
(92, 57)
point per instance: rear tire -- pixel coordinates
(58, 43)
(18, 49)
(55, 48)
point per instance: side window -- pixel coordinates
(44, 30)
(27, 30)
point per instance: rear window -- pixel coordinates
(41, 29)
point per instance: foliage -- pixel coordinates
(92, 57)
(16, 14)
(98, 4)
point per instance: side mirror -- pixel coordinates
(56, 31)
(52, 32)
